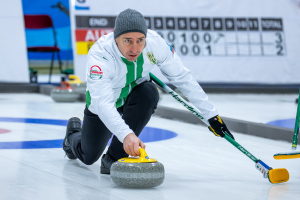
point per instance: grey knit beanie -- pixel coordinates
(130, 20)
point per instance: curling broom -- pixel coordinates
(278, 175)
(292, 154)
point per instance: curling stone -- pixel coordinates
(77, 84)
(142, 172)
(64, 94)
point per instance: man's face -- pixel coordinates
(131, 45)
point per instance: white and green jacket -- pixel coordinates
(111, 77)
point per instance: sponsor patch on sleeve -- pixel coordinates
(96, 72)
(171, 48)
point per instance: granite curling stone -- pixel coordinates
(77, 84)
(64, 94)
(142, 172)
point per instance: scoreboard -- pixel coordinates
(198, 36)
(231, 41)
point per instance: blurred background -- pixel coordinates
(228, 43)
(58, 11)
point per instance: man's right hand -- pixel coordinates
(218, 127)
(131, 144)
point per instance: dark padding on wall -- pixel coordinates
(245, 127)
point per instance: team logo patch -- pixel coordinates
(96, 72)
(151, 58)
(171, 48)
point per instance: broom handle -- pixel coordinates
(197, 113)
(296, 130)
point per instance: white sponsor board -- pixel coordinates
(13, 53)
(230, 41)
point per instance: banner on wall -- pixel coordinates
(230, 41)
(13, 53)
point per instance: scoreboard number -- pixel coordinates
(191, 36)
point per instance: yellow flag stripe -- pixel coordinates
(83, 47)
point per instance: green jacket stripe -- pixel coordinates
(88, 99)
(140, 63)
(130, 78)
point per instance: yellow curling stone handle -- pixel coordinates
(142, 159)
(74, 79)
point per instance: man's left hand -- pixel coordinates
(218, 127)
(131, 144)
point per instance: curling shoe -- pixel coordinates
(74, 125)
(106, 162)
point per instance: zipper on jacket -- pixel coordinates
(135, 70)
(129, 88)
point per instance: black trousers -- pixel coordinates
(89, 144)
